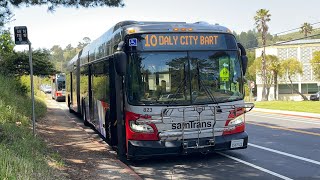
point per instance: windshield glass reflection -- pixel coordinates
(182, 78)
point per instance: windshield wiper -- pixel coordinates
(201, 85)
(183, 83)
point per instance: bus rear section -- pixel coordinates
(59, 87)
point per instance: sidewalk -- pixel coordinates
(291, 113)
(85, 155)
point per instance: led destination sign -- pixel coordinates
(182, 40)
(186, 41)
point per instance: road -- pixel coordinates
(280, 147)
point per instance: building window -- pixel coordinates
(313, 88)
(285, 89)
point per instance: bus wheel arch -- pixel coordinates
(84, 114)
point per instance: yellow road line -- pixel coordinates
(283, 128)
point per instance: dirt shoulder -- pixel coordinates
(85, 155)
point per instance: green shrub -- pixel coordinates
(22, 156)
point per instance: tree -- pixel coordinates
(6, 14)
(17, 63)
(315, 63)
(85, 41)
(274, 66)
(261, 18)
(6, 43)
(251, 73)
(273, 69)
(57, 57)
(306, 29)
(291, 67)
(247, 39)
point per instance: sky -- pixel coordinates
(70, 25)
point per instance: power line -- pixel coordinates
(282, 33)
(283, 42)
(293, 29)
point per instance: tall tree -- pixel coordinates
(315, 63)
(306, 29)
(261, 18)
(5, 11)
(290, 68)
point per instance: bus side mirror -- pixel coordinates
(244, 62)
(243, 58)
(120, 59)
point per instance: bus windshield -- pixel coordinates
(61, 85)
(183, 78)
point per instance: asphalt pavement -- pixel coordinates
(282, 145)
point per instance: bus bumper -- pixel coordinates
(61, 98)
(141, 149)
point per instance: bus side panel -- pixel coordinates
(84, 88)
(68, 87)
(101, 95)
(74, 103)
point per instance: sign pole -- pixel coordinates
(32, 89)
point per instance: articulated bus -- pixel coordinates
(58, 91)
(162, 88)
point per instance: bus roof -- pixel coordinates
(146, 27)
(131, 27)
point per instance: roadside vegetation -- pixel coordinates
(300, 106)
(22, 156)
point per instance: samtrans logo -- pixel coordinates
(192, 124)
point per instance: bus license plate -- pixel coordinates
(236, 143)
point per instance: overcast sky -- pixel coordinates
(69, 25)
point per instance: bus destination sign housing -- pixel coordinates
(186, 41)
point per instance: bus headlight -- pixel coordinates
(142, 128)
(237, 121)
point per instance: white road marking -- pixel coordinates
(285, 154)
(256, 167)
(286, 119)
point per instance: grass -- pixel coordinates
(22, 156)
(300, 106)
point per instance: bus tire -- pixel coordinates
(69, 104)
(108, 129)
(84, 116)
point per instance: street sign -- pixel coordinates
(20, 35)
(21, 38)
(224, 74)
